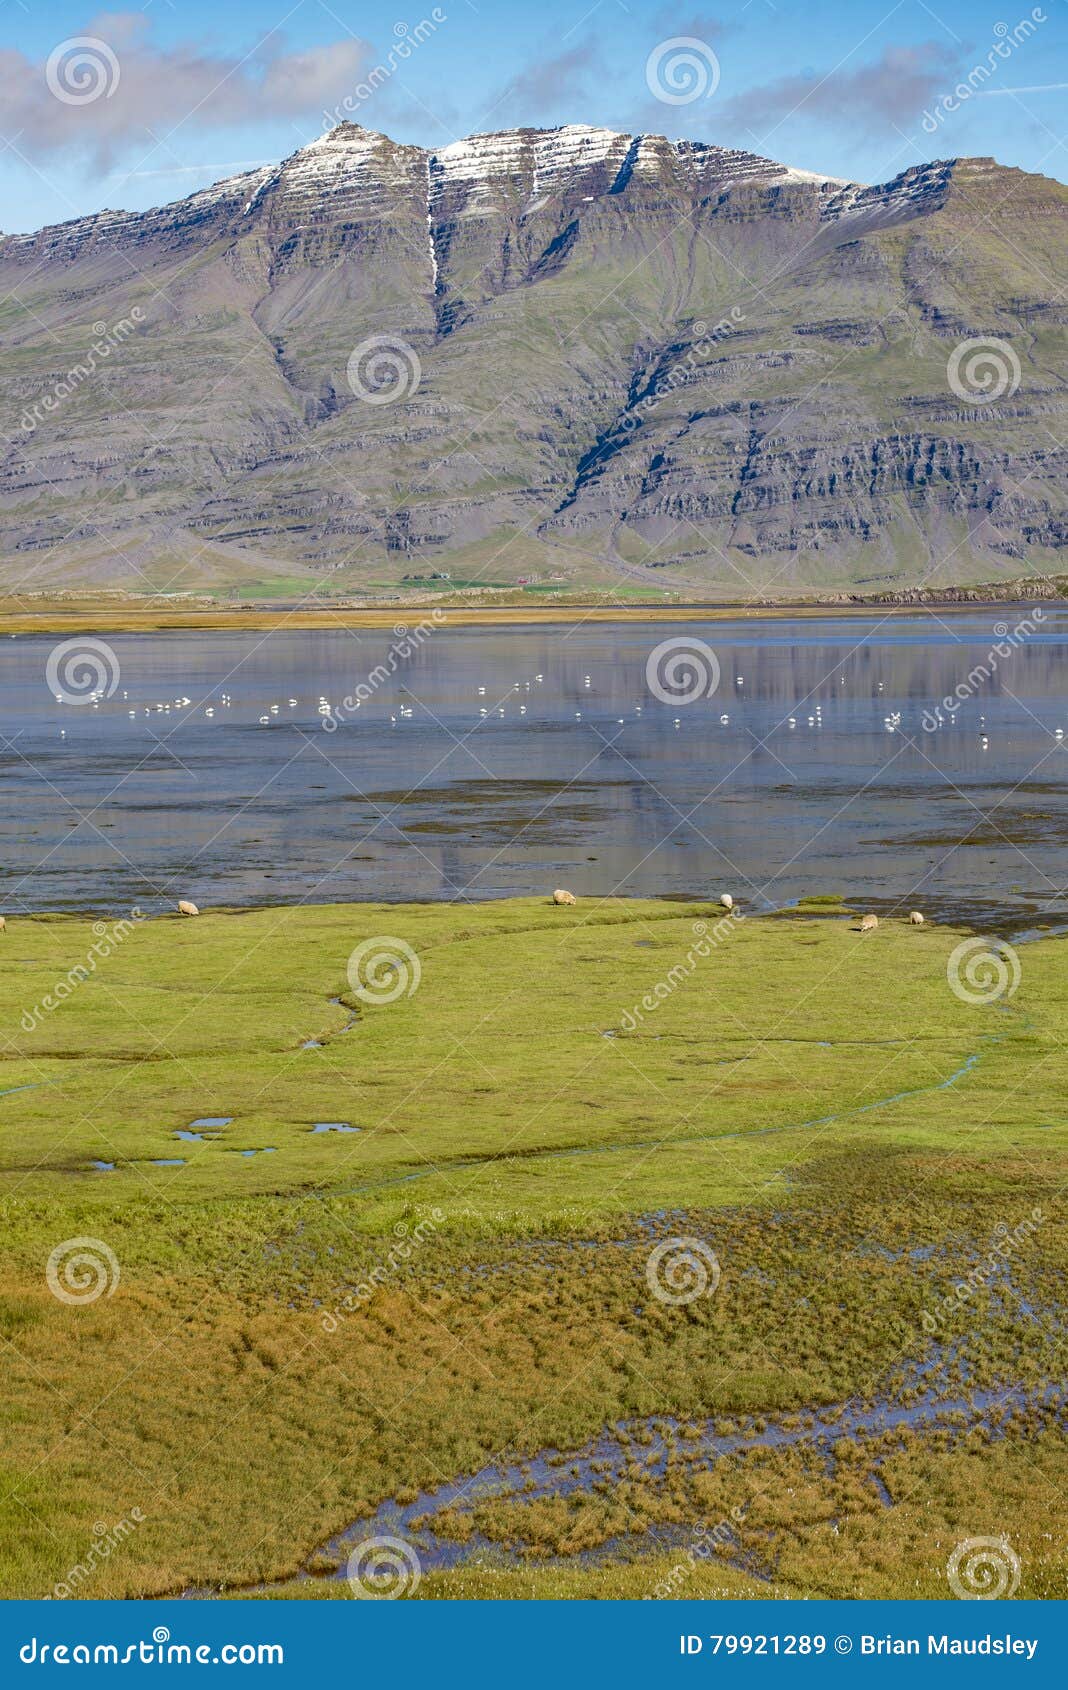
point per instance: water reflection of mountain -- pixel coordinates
(433, 787)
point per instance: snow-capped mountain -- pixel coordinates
(592, 353)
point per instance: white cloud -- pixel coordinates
(112, 88)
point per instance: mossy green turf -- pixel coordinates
(513, 1050)
(815, 1101)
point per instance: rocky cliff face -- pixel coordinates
(598, 355)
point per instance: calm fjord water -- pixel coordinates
(561, 782)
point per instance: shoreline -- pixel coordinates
(1009, 921)
(62, 618)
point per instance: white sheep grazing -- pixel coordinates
(869, 923)
(186, 908)
(916, 918)
(726, 900)
(562, 897)
(3, 925)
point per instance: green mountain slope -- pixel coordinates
(606, 358)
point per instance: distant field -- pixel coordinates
(513, 607)
(312, 1329)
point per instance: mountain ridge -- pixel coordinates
(619, 354)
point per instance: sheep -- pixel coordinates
(916, 918)
(186, 908)
(3, 925)
(726, 900)
(562, 897)
(868, 923)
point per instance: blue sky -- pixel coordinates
(185, 91)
